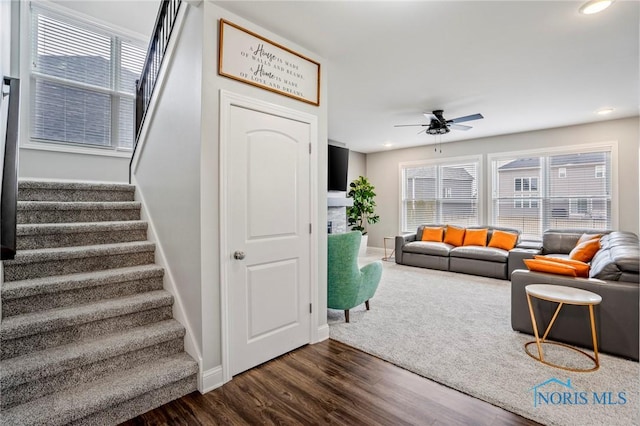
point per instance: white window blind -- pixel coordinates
(534, 193)
(440, 193)
(83, 81)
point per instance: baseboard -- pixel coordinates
(211, 379)
(322, 334)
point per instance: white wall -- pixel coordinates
(132, 15)
(40, 164)
(383, 167)
(167, 174)
(357, 166)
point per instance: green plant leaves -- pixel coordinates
(363, 210)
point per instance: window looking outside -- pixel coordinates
(534, 193)
(83, 82)
(440, 193)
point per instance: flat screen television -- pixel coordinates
(338, 166)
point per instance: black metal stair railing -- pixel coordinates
(9, 197)
(165, 22)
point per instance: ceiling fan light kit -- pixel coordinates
(595, 6)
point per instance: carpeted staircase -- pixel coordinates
(87, 334)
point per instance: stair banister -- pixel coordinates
(9, 197)
(165, 22)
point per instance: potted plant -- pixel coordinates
(363, 210)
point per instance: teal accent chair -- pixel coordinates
(347, 285)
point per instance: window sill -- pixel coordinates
(105, 152)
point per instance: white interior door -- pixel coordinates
(268, 218)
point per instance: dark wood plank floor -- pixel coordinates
(329, 383)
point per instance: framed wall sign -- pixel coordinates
(253, 59)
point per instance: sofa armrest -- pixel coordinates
(517, 256)
(616, 316)
(530, 244)
(401, 240)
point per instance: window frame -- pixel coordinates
(28, 79)
(611, 146)
(450, 161)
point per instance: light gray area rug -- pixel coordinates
(455, 329)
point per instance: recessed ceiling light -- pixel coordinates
(595, 6)
(605, 111)
(387, 144)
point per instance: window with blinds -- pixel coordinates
(83, 82)
(566, 190)
(440, 193)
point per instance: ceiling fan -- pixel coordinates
(438, 125)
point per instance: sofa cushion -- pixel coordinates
(582, 268)
(562, 241)
(432, 234)
(475, 237)
(454, 235)
(490, 254)
(549, 267)
(618, 258)
(503, 240)
(428, 247)
(585, 250)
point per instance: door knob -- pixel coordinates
(239, 255)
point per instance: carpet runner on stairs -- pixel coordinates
(87, 334)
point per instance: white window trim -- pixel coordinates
(568, 149)
(91, 22)
(443, 161)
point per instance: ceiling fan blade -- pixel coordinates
(459, 127)
(466, 118)
(409, 125)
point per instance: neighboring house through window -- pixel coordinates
(440, 192)
(533, 193)
(83, 82)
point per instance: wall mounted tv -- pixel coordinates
(338, 160)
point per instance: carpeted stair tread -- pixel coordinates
(38, 365)
(78, 205)
(87, 186)
(78, 227)
(60, 234)
(87, 399)
(45, 321)
(52, 284)
(63, 253)
(74, 191)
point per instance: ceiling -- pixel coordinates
(523, 65)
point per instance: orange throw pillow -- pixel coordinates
(582, 269)
(432, 234)
(475, 237)
(503, 240)
(454, 236)
(550, 267)
(585, 250)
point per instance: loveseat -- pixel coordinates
(470, 259)
(613, 274)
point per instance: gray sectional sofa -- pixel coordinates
(613, 275)
(475, 260)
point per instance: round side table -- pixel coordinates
(562, 295)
